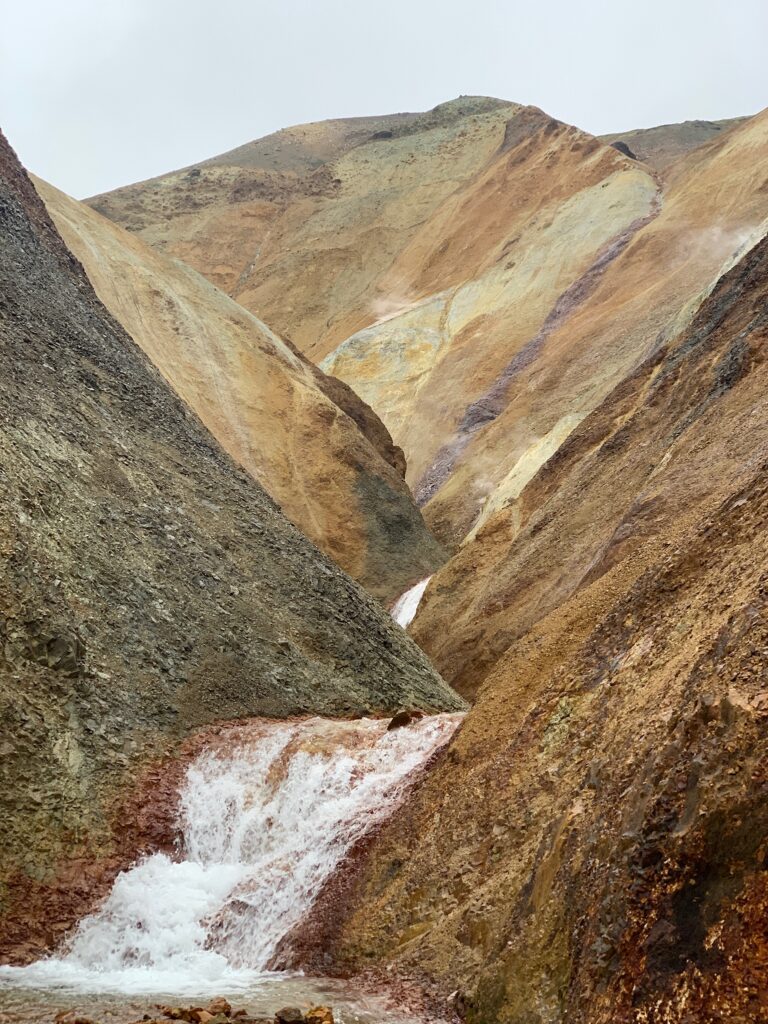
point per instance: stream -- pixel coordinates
(266, 815)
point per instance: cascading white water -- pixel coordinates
(405, 607)
(266, 816)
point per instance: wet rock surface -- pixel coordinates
(289, 1015)
(218, 1011)
(404, 717)
(150, 587)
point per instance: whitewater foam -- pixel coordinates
(266, 817)
(405, 607)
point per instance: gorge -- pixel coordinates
(384, 600)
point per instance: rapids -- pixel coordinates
(266, 814)
(405, 607)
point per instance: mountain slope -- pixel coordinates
(149, 586)
(237, 217)
(481, 275)
(571, 351)
(481, 282)
(277, 415)
(591, 848)
(469, 221)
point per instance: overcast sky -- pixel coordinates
(98, 93)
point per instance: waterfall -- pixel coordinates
(266, 816)
(405, 607)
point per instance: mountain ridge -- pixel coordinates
(310, 442)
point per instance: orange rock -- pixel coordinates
(319, 1015)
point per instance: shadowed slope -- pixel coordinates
(265, 404)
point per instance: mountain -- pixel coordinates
(439, 264)
(319, 451)
(477, 191)
(484, 283)
(568, 344)
(298, 223)
(527, 357)
(150, 588)
(544, 269)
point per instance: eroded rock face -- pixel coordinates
(149, 585)
(592, 846)
(315, 447)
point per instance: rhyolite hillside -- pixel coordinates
(500, 368)
(314, 446)
(519, 563)
(150, 587)
(302, 220)
(592, 847)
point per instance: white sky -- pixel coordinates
(99, 93)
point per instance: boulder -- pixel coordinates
(319, 1015)
(289, 1015)
(404, 717)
